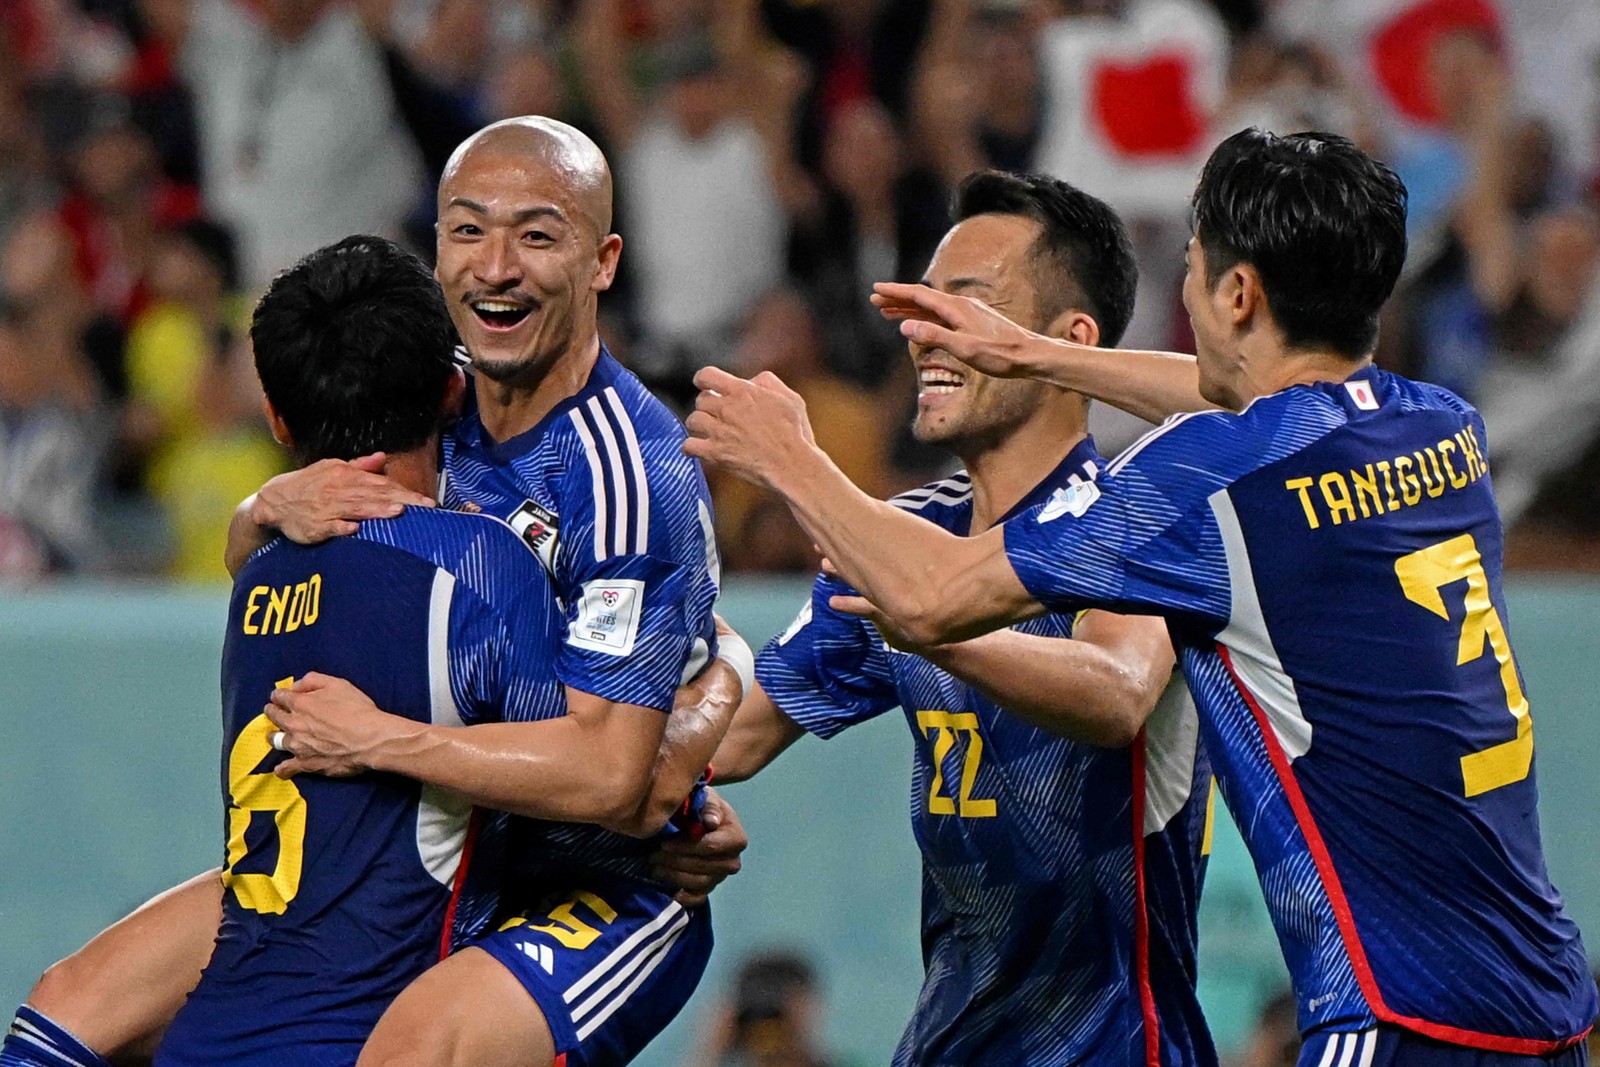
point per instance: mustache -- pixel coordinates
(514, 296)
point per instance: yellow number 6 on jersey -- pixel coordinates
(1423, 575)
(251, 791)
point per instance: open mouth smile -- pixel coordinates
(500, 314)
(937, 381)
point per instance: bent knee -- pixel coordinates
(67, 993)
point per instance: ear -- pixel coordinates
(1076, 326)
(609, 252)
(280, 429)
(1240, 296)
(455, 394)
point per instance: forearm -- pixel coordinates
(1073, 689)
(759, 734)
(555, 769)
(936, 586)
(700, 718)
(1151, 385)
(245, 536)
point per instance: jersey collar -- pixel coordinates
(470, 429)
(1082, 464)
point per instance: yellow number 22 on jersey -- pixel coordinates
(250, 791)
(1423, 575)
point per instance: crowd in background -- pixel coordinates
(160, 160)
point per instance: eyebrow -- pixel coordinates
(955, 284)
(527, 214)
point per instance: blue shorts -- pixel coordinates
(1390, 1046)
(610, 962)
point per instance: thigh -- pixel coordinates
(610, 963)
(466, 1011)
(1390, 1046)
(118, 993)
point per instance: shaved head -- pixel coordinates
(568, 153)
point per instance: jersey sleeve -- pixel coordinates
(1142, 538)
(828, 671)
(503, 637)
(636, 567)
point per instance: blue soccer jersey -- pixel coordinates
(339, 891)
(1060, 880)
(1329, 564)
(621, 520)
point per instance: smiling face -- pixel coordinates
(522, 253)
(987, 257)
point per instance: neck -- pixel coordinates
(510, 408)
(1274, 371)
(1005, 472)
(417, 470)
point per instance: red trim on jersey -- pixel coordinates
(1141, 914)
(560, 1061)
(459, 884)
(1519, 1046)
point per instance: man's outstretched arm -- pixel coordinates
(1151, 385)
(936, 586)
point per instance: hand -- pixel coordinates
(330, 498)
(967, 329)
(698, 867)
(330, 727)
(757, 429)
(862, 608)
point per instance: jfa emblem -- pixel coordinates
(1361, 393)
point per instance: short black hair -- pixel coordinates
(1083, 256)
(1321, 221)
(355, 350)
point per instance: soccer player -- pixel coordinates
(1327, 554)
(369, 878)
(569, 449)
(1060, 879)
(574, 453)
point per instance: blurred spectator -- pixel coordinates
(979, 92)
(194, 405)
(755, 529)
(873, 219)
(25, 182)
(856, 50)
(49, 457)
(1275, 1041)
(706, 173)
(771, 1018)
(115, 203)
(301, 143)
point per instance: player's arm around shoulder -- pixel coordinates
(1098, 687)
(329, 498)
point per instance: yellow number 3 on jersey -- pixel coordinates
(251, 791)
(1423, 575)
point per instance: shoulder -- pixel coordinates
(937, 500)
(479, 552)
(1213, 448)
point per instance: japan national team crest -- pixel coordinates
(541, 528)
(608, 616)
